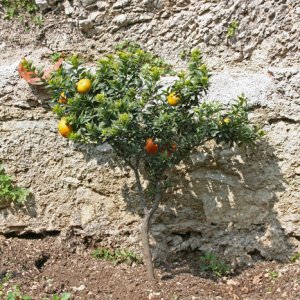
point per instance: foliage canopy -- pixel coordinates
(128, 104)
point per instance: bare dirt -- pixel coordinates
(46, 266)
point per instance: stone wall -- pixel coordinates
(241, 203)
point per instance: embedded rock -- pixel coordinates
(42, 4)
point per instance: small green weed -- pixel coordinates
(14, 8)
(8, 192)
(273, 274)
(117, 256)
(25, 11)
(64, 296)
(7, 277)
(16, 294)
(210, 262)
(269, 290)
(231, 30)
(295, 257)
(38, 20)
(184, 54)
(55, 56)
(175, 297)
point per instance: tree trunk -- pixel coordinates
(146, 246)
(148, 214)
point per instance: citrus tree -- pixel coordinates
(150, 125)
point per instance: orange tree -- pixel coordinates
(150, 126)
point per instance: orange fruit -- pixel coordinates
(226, 120)
(173, 147)
(63, 128)
(63, 98)
(84, 85)
(169, 148)
(173, 99)
(150, 146)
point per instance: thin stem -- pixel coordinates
(158, 196)
(145, 228)
(148, 214)
(147, 255)
(139, 186)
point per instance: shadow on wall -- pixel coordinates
(222, 201)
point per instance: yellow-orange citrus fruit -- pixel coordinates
(173, 147)
(63, 128)
(226, 120)
(63, 98)
(173, 99)
(84, 85)
(150, 146)
(169, 148)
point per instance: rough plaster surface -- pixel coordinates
(242, 203)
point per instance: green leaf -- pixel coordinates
(65, 296)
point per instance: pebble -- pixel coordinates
(154, 296)
(120, 4)
(2, 46)
(79, 289)
(42, 4)
(85, 24)
(86, 3)
(297, 171)
(232, 282)
(102, 5)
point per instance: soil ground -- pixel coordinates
(47, 266)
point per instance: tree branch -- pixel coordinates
(158, 196)
(139, 186)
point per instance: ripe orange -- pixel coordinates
(63, 98)
(173, 99)
(84, 85)
(63, 128)
(173, 148)
(170, 149)
(226, 120)
(150, 146)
